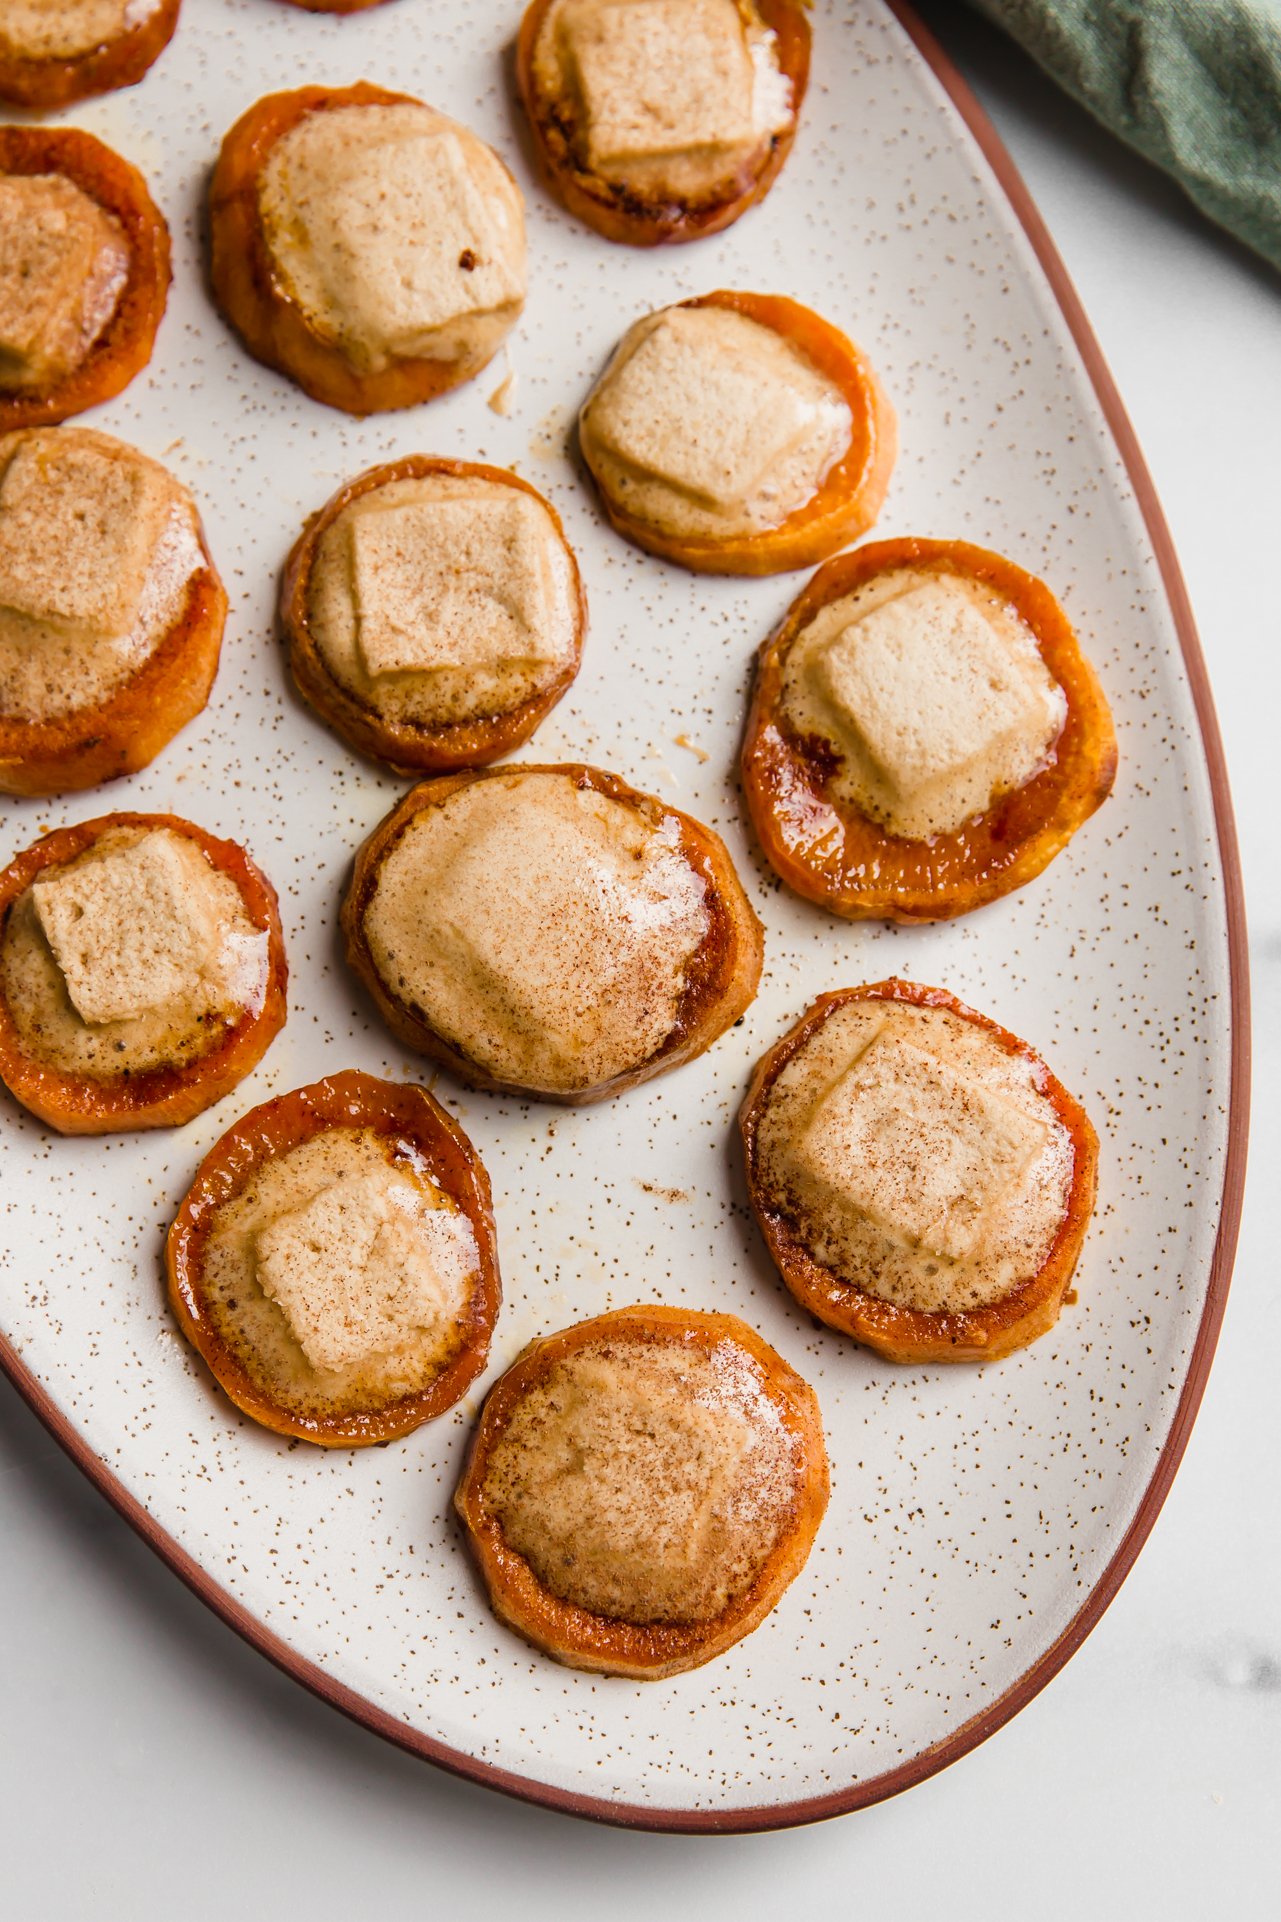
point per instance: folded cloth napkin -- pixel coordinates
(1193, 84)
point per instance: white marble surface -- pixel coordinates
(1147, 1778)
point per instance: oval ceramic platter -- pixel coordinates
(980, 1517)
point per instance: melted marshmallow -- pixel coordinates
(934, 693)
(922, 1151)
(669, 97)
(363, 1267)
(340, 1273)
(451, 583)
(133, 956)
(131, 931)
(78, 524)
(543, 929)
(443, 597)
(63, 264)
(914, 1157)
(65, 29)
(645, 1481)
(397, 231)
(707, 422)
(660, 76)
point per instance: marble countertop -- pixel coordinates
(150, 1764)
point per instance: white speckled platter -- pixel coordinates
(980, 1518)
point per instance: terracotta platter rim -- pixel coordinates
(875, 1788)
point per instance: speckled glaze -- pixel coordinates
(980, 1517)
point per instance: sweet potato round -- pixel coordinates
(629, 215)
(723, 977)
(411, 747)
(351, 1100)
(911, 1335)
(59, 81)
(271, 323)
(124, 346)
(161, 1097)
(126, 730)
(851, 494)
(837, 856)
(576, 1636)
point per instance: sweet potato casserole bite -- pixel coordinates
(922, 1180)
(925, 734)
(434, 612)
(738, 434)
(662, 120)
(334, 1261)
(642, 1488)
(142, 973)
(365, 245)
(84, 273)
(111, 611)
(550, 931)
(55, 51)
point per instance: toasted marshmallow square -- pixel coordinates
(926, 684)
(559, 877)
(614, 1412)
(63, 29)
(362, 1267)
(550, 928)
(570, 874)
(920, 1150)
(660, 77)
(413, 243)
(79, 525)
(454, 583)
(132, 931)
(705, 405)
(398, 232)
(51, 238)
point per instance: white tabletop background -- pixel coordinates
(152, 1766)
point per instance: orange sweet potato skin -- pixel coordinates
(630, 217)
(575, 1635)
(44, 84)
(124, 346)
(163, 1097)
(848, 863)
(909, 1335)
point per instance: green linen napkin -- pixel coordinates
(1193, 84)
